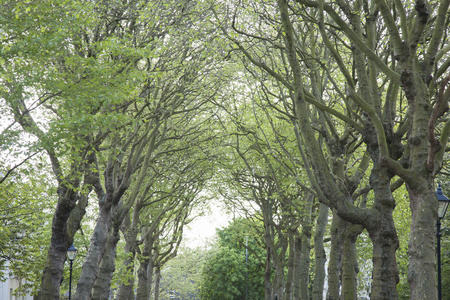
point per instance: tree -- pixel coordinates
(108, 75)
(366, 81)
(340, 101)
(231, 272)
(164, 123)
(48, 75)
(416, 52)
(181, 276)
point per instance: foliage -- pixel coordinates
(231, 272)
(110, 78)
(26, 199)
(182, 275)
(402, 218)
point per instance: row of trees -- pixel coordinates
(102, 89)
(303, 111)
(364, 87)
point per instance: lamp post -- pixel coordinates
(71, 253)
(443, 204)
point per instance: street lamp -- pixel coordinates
(71, 253)
(443, 204)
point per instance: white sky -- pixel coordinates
(203, 228)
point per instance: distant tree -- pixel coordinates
(234, 269)
(181, 276)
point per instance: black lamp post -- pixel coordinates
(71, 253)
(443, 204)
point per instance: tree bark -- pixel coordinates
(291, 279)
(126, 287)
(97, 249)
(157, 282)
(319, 253)
(150, 272)
(116, 183)
(422, 245)
(305, 246)
(267, 273)
(60, 242)
(278, 255)
(66, 221)
(278, 282)
(121, 211)
(334, 263)
(102, 286)
(145, 270)
(419, 77)
(349, 233)
(343, 264)
(384, 237)
(419, 182)
(129, 230)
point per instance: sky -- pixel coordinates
(203, 228)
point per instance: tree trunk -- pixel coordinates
(108, 203)
(267, 272)
(102, 286)
(150, 269)
(422, 242)
(320, 255)
(157, 282)
(126, 287)
(145, 269)
(305, 247)
(297, 267)
(130, 236)
(278, 256)
(343, 265)
(66, 221)
(419, 181)
(94, 255)
(385, 274)
(52, 274)
(349, 234)
(277, 249)
(334, 264)
(305, 261)
(291, 278)
(384, 238)
(278, 284)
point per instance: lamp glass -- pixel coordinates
(443, 202)
(72, 252)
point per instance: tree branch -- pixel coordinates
(356, 40)
(16, 166)
(436, 38)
